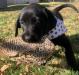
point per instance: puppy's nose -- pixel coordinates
(27, 36)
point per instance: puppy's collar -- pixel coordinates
(58, 30)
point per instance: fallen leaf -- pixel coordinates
(1, 73)
(27, 68)
(4, 67)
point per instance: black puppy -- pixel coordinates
(38, 22)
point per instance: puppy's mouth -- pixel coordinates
(33, 40)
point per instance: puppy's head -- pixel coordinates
(36, 21)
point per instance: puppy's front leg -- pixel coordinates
(64, 42)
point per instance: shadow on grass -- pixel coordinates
(42, 53)
(13, 8)
(18, 7)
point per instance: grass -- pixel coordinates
(7, 24)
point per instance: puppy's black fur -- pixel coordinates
(37, 21)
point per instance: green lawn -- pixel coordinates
(7, 24)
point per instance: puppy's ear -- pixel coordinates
(17, 25)
(51, 19)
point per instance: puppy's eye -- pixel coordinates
(33, 19)
(21, 22)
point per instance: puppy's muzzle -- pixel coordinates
(32, 38)
(26, 37)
